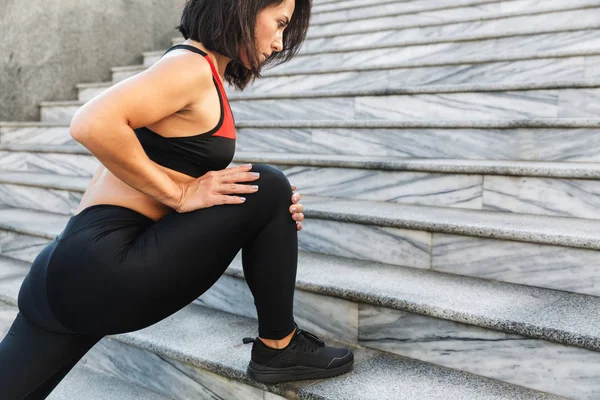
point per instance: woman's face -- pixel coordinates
(270, 24)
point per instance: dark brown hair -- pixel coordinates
(227, 27)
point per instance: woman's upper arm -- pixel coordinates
(155, 93)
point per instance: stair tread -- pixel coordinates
(83, 382)
(212, 340)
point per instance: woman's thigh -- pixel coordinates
(120, 274)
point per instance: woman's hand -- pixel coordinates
(296, 209)
(212, 188)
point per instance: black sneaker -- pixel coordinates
(305, 357)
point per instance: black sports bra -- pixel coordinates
(198, 154)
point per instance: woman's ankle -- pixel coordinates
(278, 344)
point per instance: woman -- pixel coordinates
(163, 217)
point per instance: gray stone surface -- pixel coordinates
(568, 99)
(89, 384)
(473, 13)
(562, 231)
(189, 335)
(80, 41)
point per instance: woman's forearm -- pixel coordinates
(118, 149)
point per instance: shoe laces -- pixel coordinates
(308, 341)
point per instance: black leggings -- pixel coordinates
(113, 270)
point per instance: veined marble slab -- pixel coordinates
(532, 195)
(36, 135)
(392, 36)
(586, 18)
(449, 190)
(537, 364)
(345, 11)
(404, 247)
(415, 10)
(58, 114)
(524, 104)
(49, 163)
(510, 143)
(572, 197)
(39, 198)
(21, 246)
(552, 267)
(592, 67)
(440, 53)
(540, 70)
(445, 16)
(12, 273)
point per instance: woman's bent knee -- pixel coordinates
(272, 181)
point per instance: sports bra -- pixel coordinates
(195, 155)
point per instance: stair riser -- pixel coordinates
(49, 163)
(443, 16)
(553, 267)
(41, 199)
(384, 8)
(537, 364)
(35, 135)
(522, 104)
(495, 354)
(547, 70)
(528, 195)
(527, 24)
(439, 53)
(527, 144)
(20, 246)
(492, 258)
(453, 52)
(528, 104)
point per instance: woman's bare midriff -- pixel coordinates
(106, 188)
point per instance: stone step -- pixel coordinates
(509, 247)
(555, 22)
(54, 193)
(65, 160)
(431, 303)
(421, 327)
(348, 11)
(476, 13)
(441, 53)
(559, 99)
(434, 52)
(557, 189)
(508, 9)
(563, 139)
(87, 382)
(534, 70)
(198, 353)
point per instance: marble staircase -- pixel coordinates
(446, 153)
